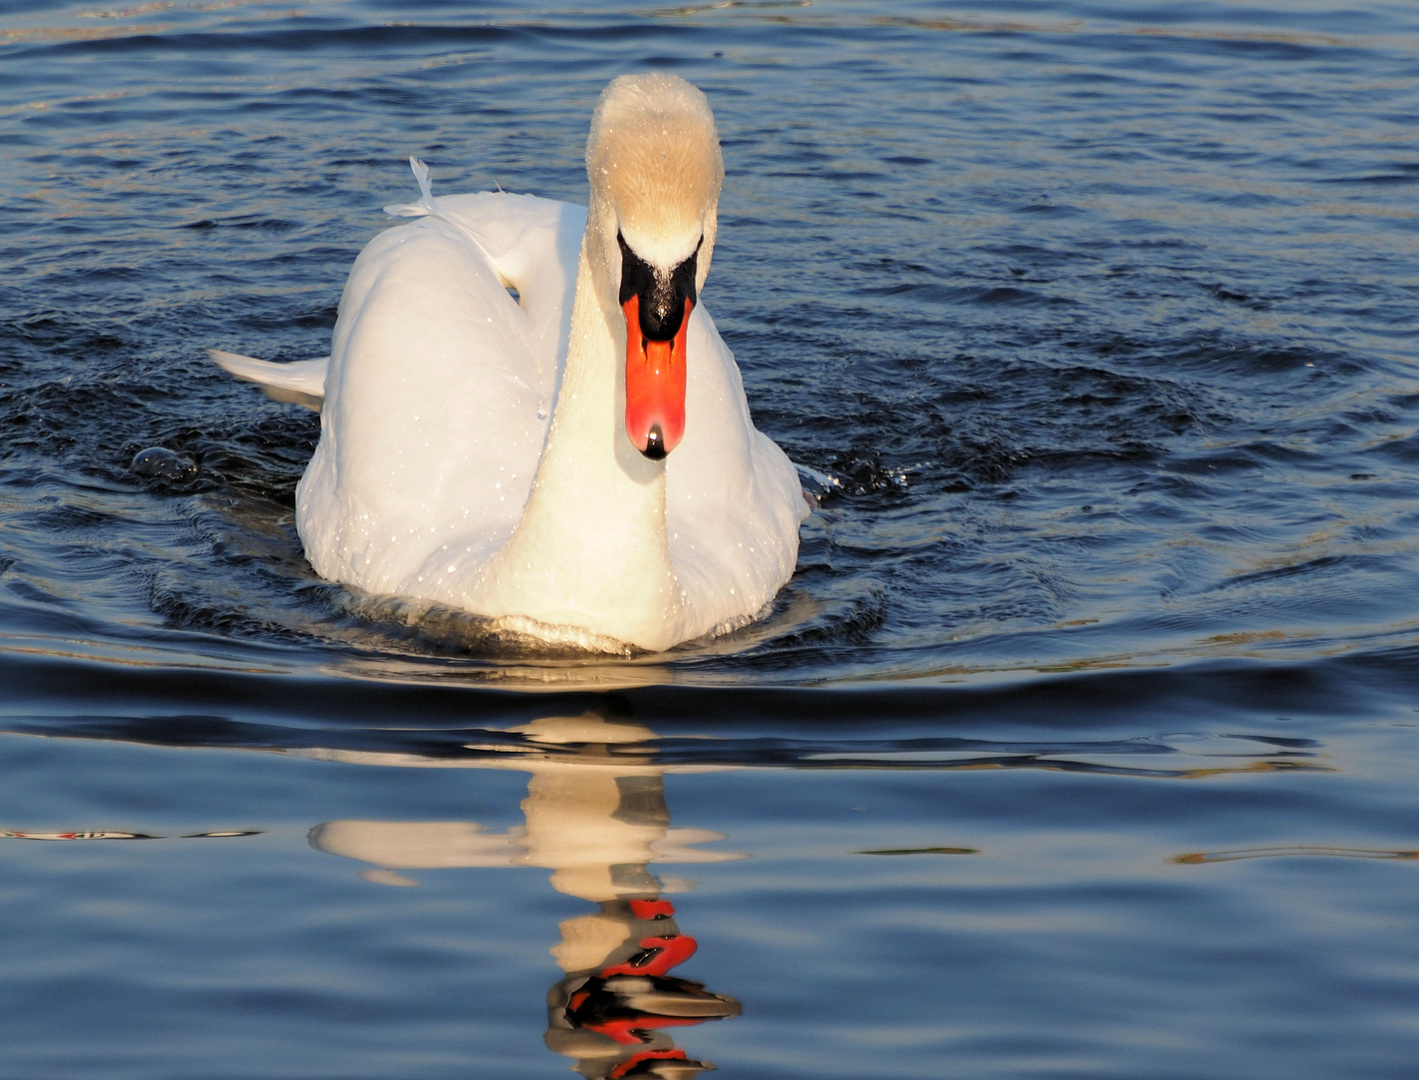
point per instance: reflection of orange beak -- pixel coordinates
(657, 956)
(628, 1066)
(655, 385)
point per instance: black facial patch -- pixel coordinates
(662, 296)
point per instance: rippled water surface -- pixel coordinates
(1084, 739)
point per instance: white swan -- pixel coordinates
(439, 475)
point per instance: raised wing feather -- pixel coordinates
(300, 383)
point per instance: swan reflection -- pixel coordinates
(595, 815)
(595, 819)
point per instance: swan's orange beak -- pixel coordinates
(655, 384)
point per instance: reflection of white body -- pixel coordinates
(584, 819)
(445, 472)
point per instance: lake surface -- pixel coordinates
(1084, 741)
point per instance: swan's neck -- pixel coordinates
(591, 549)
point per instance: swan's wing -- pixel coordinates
(437, 404)
(300, 383)
(533, 245)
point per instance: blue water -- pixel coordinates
(1083, 742)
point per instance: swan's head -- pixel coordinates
(655, 169)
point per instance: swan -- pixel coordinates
(577, 462)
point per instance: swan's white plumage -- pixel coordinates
(442, 393)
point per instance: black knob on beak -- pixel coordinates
(655, 443)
